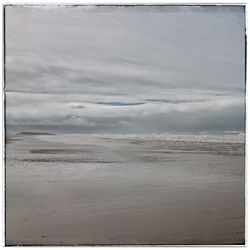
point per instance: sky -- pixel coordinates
(113, 69)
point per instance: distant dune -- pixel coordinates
(10, 138)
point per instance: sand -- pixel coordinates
(61, 191)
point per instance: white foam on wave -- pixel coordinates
(228, 136)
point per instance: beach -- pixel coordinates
(94, 189)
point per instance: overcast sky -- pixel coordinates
(125, 69)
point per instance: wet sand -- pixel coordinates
(123, 191)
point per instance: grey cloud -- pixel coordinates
(126, 68)
(176, 101)
(121, 103)
(77, 106)
(56, 110)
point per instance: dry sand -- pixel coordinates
(104, 191)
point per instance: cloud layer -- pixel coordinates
(125, 69)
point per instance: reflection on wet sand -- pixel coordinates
(123, 191)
